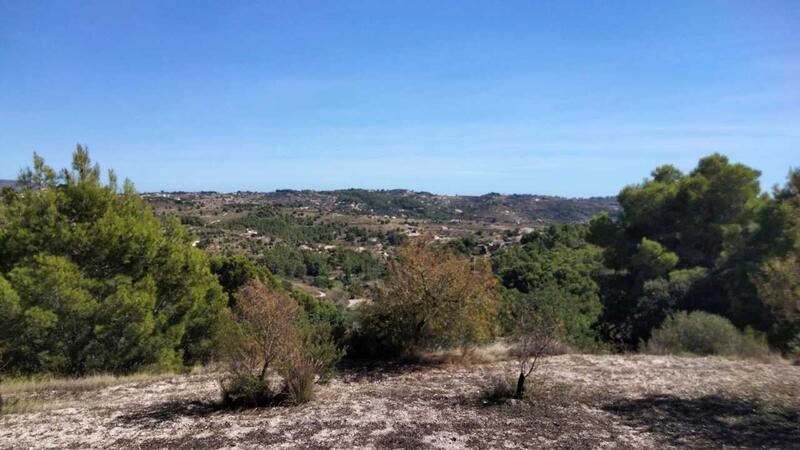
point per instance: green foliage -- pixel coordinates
(701, 333)
(269, 221)
(462, 246)
(322, 267)
(194, 221)
(552, 274)
(652, 261)
(93, 281)
(696, 241)
(249, 391)
(688, 213)
(284, 259)
(294, 262)
(235, 271)
(396, 238)
(356, 264)
(319, 311)
(391, 203)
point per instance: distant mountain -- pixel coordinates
(519, 209)
(4, 183)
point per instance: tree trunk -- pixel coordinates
(263, 373)
(520, 386)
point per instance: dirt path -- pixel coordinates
(589, 402)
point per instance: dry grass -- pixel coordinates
(25, 395)
(495, 352)
(73, 385)
(14, 405)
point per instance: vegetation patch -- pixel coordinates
(701, 333)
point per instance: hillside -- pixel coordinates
(518, 209)
(515, 209)
(277, 228)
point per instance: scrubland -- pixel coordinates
(576, 401)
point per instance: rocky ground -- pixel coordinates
(581, 401)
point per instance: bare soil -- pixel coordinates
(579, 401)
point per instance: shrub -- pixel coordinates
(499, 390)
(298, 381)
(701, 333)
(248, 391)
(431, 299)
(272, 332)
(535, 336)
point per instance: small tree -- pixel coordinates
(535, 335)
(271, 332)
(266, 325)
(432, 298)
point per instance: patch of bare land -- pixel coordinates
(580, 401)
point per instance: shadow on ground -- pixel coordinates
(711, 421)
(168, 412)
(354, 371)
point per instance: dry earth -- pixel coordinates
(584, 401)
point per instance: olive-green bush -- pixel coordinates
(701, 333)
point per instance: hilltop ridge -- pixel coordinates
(513, 209)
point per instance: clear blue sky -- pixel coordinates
(558, 97)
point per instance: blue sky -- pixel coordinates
(559, 97)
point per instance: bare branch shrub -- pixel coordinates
(268, 328)
(271, 333)
(264, 335)
(535, 336)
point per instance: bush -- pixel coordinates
(298, 381)
(272, 333)
(499, 390)
(248, 391)
(701, 333)
(432, 299)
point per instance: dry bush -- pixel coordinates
(544, 394)
(271, 333)
(557, 347)
(498, 350)
(21, 395)
(298, 381)
(264, 335)
(433, 299)
(535, 336)
(267, 330)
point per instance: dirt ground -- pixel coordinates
(580, 401)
